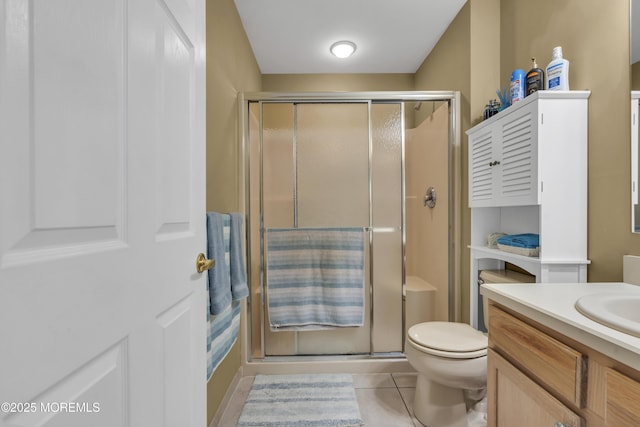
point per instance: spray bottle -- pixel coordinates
(517, 87)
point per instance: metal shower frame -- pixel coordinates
(454, 178)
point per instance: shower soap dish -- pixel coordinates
(520, 244)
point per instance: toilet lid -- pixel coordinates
(448, 336)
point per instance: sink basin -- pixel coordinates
(617, 310)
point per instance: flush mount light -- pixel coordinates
(343, 49)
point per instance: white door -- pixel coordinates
(102, 139)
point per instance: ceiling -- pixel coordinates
(393, 36)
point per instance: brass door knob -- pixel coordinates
(202, 263)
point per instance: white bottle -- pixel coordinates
(557, 71)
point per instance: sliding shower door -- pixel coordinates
(328, 165)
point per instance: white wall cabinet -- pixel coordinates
(503, 160)
(528, 174)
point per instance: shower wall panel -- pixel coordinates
(427, 255)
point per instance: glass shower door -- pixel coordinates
(336, 165)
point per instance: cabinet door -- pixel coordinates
(516, 400)
(503, 160)
(518, 167)
(623, 400)
(482, 154)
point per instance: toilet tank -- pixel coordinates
(420, 297)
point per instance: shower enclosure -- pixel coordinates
(367, 160)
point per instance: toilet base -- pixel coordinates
(436, 405)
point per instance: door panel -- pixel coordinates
(65, 175)
(174, 56)
(102, 212)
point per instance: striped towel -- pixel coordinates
(222, 333)
(223, 327)
(315, 278)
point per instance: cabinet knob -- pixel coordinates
(494, 163)
(559, 424)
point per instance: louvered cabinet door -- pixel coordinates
(518, 167)
(503, 159)
(482, 179)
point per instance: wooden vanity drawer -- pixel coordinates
(544, 358)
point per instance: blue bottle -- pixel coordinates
(518, 82)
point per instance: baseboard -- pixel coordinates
(227, 397)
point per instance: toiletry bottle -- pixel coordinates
(535, 79)
(558, 71)
(517, 86)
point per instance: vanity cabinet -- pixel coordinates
(519, 401)
(622, 399)
(538, 377)
(528, 174)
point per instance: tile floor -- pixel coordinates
(385, 400)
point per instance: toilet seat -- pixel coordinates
(448, 339)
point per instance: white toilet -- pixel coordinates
(451, 361)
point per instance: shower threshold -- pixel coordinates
(394, 362)
(332, 357)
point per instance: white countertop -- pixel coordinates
(552, 305)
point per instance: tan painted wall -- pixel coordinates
(448, 67)
(594, 36)
(336, 82)
(231, 68)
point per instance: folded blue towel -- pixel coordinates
(219, 283)
(527, 240)
(237, 270)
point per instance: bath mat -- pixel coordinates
(301, 400)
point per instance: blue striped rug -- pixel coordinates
(301, 401)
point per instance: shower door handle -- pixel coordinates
(430, 197)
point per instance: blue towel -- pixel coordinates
(527, 240)
(237, 270)
(315, 278)
(219, 282)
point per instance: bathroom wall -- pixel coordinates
(336, 82)
(448, 68)
(231, 68)
(594, 36)
(490, 38)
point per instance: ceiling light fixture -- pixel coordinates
(343, 49)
